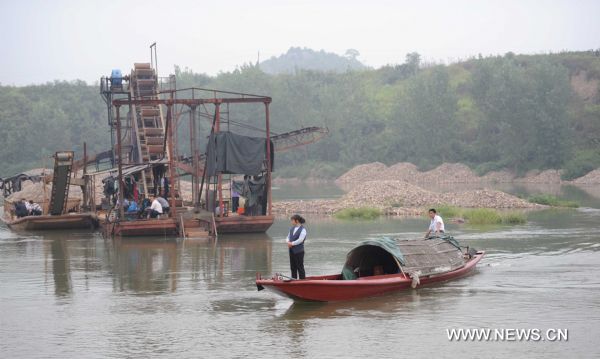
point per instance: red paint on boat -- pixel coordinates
(330, 288)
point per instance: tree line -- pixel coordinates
(519, 112)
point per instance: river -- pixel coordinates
(75, 294)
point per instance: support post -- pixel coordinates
(269, 200)
(173, 211)
(219, 176)
(194, 153)
(119, 164)
(86, 188)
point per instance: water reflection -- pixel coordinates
(60, 267)
(395, 303)
(230, 257)
(180, 298)
(149, 266)
(145, 266)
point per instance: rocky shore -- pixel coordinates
(454, 173)
(400, 198)
(396, 190)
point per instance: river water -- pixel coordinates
(77, 295)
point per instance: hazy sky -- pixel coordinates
(47, 40)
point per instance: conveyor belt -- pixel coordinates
(63, 164)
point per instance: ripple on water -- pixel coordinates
(149, 299)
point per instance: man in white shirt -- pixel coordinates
(28, 206)
(35, 209)
(437, 224)
(155, 208)
(164, 204)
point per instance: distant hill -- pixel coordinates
(297, 58)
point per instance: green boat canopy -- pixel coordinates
(389, 256)
(362, 259)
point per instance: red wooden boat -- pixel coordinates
(417, 263)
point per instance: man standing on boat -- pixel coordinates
(295, 242)
(437, 224)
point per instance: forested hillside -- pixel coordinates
(518, 112)
(36, 121)
(306, 59)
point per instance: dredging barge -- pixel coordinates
(230, 181)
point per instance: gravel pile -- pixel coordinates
(317, 206)
(498, 177)
(31, 191)
(403, 171)
(35, 192)
(484, 198)
(591, 178)
(383, 194)
(402, 199)
(547, 176)
(366, 172)
(450, 173)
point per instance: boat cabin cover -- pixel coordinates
(389, 256)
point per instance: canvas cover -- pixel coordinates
(367, 255)
(252, 189)
(414, 256)
(235, 154)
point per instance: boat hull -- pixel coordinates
(331, 288)
(243, 224)
(142, 227)
(48, 222)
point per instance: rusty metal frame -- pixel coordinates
(170, 102)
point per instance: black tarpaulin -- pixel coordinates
(236, 154)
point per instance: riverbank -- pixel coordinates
(446, 173)
(455, 173)
(400, 198)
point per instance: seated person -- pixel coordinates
(144, 207)
(21, 209)
(436, 226)
(133, 207)
(35, 209)
(155, 208)
(164, 203)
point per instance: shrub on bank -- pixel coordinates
(550, 200)
(445, 210)
(367, 213)
(581, 164)
(479, 216)
(513, 217)
(482, 216)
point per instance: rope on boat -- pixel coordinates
(415, 279)
(280, 276)
(470, 252)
